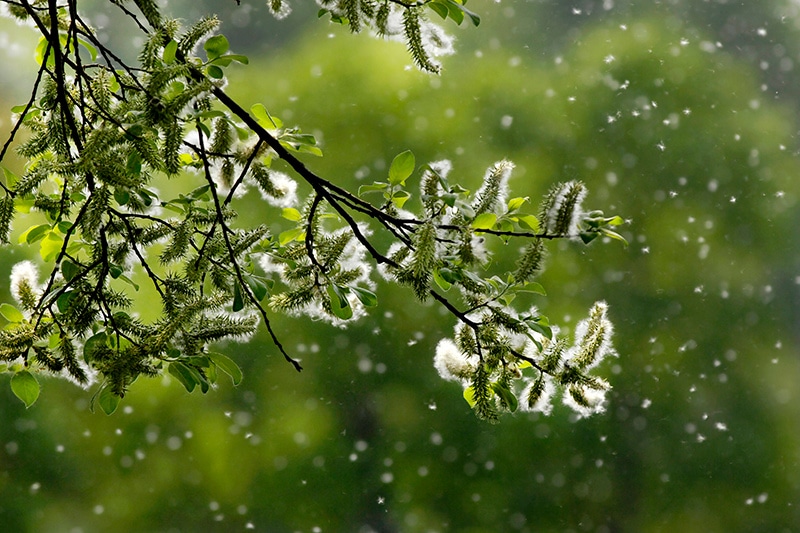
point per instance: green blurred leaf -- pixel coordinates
(290, 213)
(94, 343)
(215, 72)
(507, 397)
(168, 56)
(183, 374)
(516, 203)
(530, 221)
(295, 234)
(440, 281)
(257, 287)
(227, 365)
(533, 287)
(107, 400)
(401, 168)
(34, 233)
(63, 301)
(11, 313)
(216, 46)
(484, 221)
(340, 305)
(469, 396)
(378, 186)
(263, 117)
(69, 270)
(399, 198)
(614, 235)
(51, 246)
(368, 298)
(238, 301)
(25, 387)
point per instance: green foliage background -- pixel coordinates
(671, 118)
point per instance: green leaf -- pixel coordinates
(89, 48)
(92, 344)
(340, 305)
(469, 396)
(440, 281)
(474, 18)
(69, 270)
(25, 387)
(107, 400)
(368, 298)
(183, 374)
(11, 178)
(290, 213)
(169, 52)
(51, 246)
(484, 221)
(34, 233)
(122, 197)
(215, 72)
(257, 287)
(238, 301)
(296, 234)
(227, 365)
(614, 235)
(399, 198)
(516, 203)
(263, 117)
(216, 46)
(129, 281)
(239, 58)
(11, 313)
(530, 221)
(63, 301)
(402, 167)
(507, 397)
(378, 186)
(533, 287)
(440, 9)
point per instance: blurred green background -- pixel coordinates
(680, 116)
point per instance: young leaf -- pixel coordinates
(533, 287)
(469, 396)
(216, 46)
(364, 296)
(264, 118)
(51, 246)
(340, 305)
(107, 400)
(484, 221)
(11, 313)
(25, 387)
(34, 233)
(516, 203)
(529, 220)
(169, 52)
(183, 374)
(238, 301)
(227, 365)
(290, 213)
(290, 235)
(440, 281)
(69, 270)
(402, 166)
(215, 72)
(506, 396)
